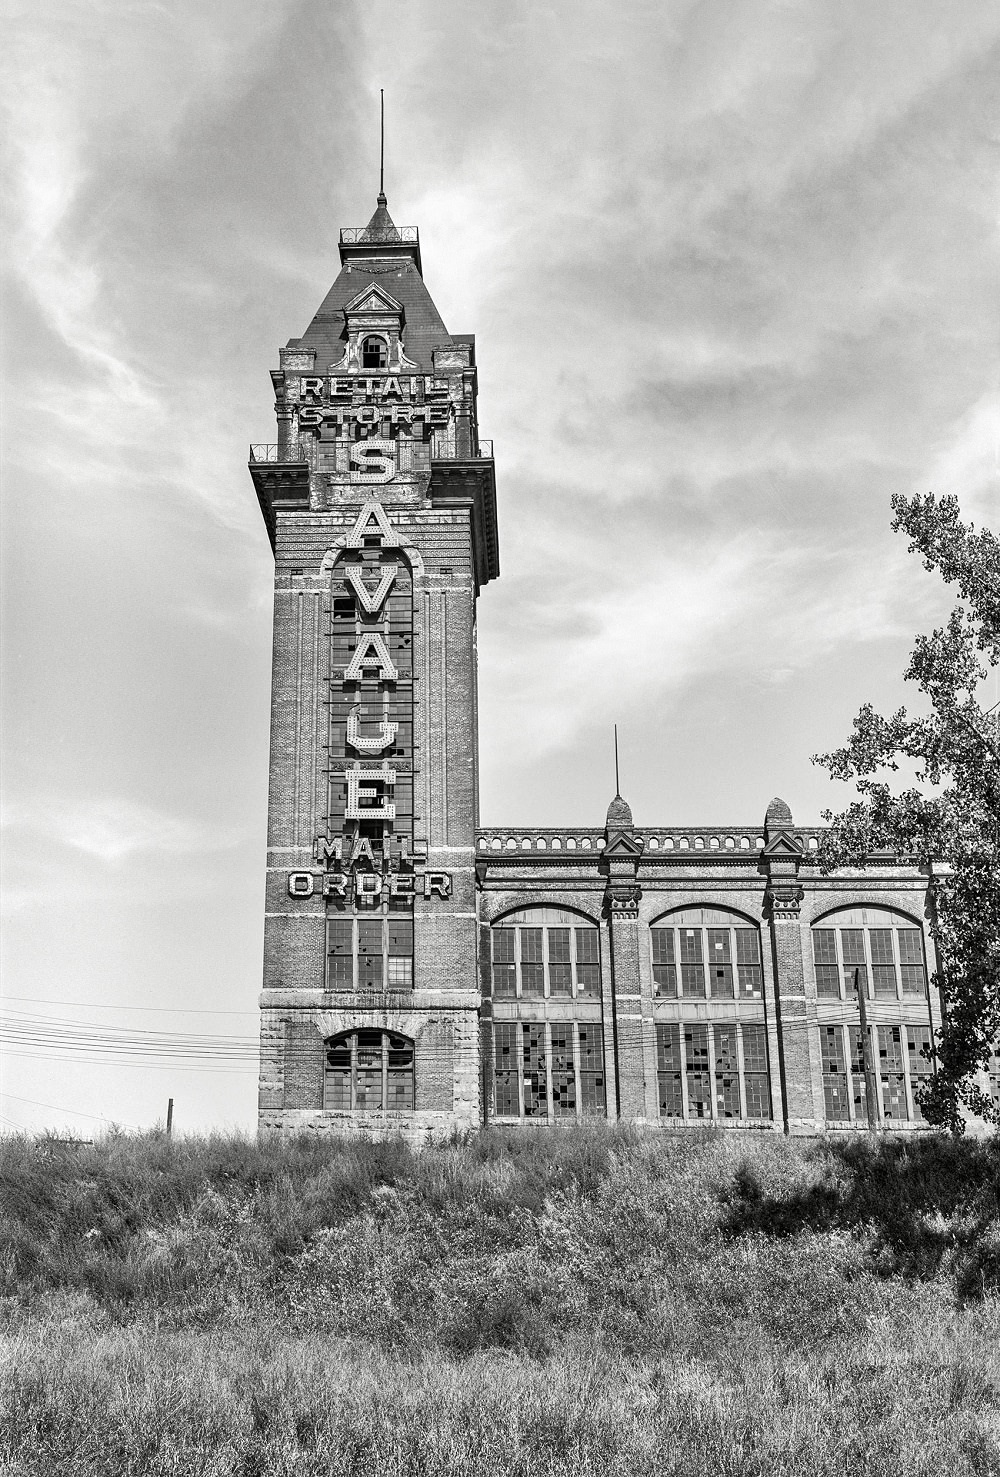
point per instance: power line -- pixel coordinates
(95, 1005)
(56, 1109)
(145, 1066)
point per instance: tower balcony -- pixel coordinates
(280, 477)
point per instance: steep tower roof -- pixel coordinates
(387, 254)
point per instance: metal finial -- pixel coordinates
(381, 156)
(618, 788)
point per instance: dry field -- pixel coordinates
(576, 1302)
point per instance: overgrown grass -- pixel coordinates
(576, 1301)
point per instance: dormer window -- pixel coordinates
(373, 354)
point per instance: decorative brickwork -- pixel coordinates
(423, 975)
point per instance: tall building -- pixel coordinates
(424, 974)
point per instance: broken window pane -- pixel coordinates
(834, 1074)
(533, 1069)
(668, 1070)
(507, 1097)
(591, 1042)
(699, 1081)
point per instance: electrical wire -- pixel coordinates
(80, 1112)
(95, 1005)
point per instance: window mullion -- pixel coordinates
(550, 1110)
(354, 1071)
(385, 1064)
(577, 1069)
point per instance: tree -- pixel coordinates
(951, 824)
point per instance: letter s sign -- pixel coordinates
(373, 460)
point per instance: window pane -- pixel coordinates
(369, 1076)
(852, 942)
(665, 981)
(856, 978)
(340, 936)
(881, 945)
(588, 979)
(858, 1072)
(885, 981)
(699, 1082)
(533, 1063)
(668, 1075)
(690, 945)
(401, 973)
(910, 946)
(913, 979)
(591, 1039)
(747, 946)
(828, 981)
(370, 972)
(693, 980)
(834, 1074)
(400, 1074)
(890, 1048)
(727, 1082)
(533, 980)
(588, 946)
(719, 950)
(338, 1076)
(505, 1046)
(750, 981)
(531, 946)
(563, 1071)
(369, 936)
(340, 971)
(721, 976)
(503, 945)
(825, 945)
(558, 945)
(400, 936)
(560, 979)
(755, 1048)
(755, 1081)
(663, 945)
(504, 981)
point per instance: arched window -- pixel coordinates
(373, 353)
(882, 949)
(701, 952)
(541, 953)
(369, 1071)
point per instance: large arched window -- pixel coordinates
(701, 952)
(545, 953)
(880, 948)
(373, 353)
(369, 1071)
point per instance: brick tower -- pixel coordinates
(380, 503)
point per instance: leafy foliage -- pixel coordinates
(951, 824)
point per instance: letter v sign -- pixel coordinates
(371, 601)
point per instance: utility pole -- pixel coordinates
(170, 1116)
(871, 1088)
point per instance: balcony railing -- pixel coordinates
(262, 451)
(362, 235)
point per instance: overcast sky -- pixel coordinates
(732, 270)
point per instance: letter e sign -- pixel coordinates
(373, 460)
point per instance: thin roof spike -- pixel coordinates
(381, 154)
(618, 788)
